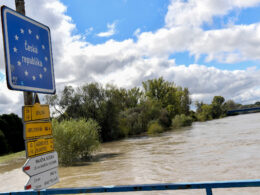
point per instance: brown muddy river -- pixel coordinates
(224, 149)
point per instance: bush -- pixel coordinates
(75, 139)
(206, 113)
(154, 127)
(3, 144)
(130, 122)
(12, 128)
(164, 118)
(181, 121)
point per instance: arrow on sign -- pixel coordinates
(43, 180)
(39, 164)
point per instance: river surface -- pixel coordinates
(224, 149)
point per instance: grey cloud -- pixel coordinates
(128, 63)
(4, 100)
(207, 82)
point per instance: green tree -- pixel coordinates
(181, 121)
(135, 120)
(133, 97)
(217, 106)
(257, 103)
(199, 106)
(156, 89)
(12, 128)
(3, 144)
(75, 139)
(154, 127)
(231, 105)
(121, 112)
(53, 101)
(185, 102)
(206, 113)
(174, 99)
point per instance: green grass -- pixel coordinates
(11, 157)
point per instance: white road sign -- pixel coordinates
(41, 163)
(43, 180)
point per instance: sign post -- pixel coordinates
(29, 68)
(19, 4)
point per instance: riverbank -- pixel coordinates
(12, 157)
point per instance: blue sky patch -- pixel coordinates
(183, 58)
(236, 17)
(2, 76)
(128, 16)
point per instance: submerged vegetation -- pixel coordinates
(181, 121)
(91, 113)
(75, 139)
(124, 112)
(112, 113)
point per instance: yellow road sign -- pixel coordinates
(37, 129)
(39, 146)
(36, 112)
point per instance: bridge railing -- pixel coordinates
(208, 186)
(245, 110)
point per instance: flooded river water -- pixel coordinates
(224, 149)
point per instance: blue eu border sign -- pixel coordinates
(28, 53)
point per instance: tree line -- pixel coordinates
(112, 113)
(11, 134)
(123, 112)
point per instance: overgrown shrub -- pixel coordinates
(154, 127)
(75, 139)
(181, 121)
(164, 118)
(130, 122)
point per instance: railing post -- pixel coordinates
(209, 191)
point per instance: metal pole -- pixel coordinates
(28, 97)
(209, 191)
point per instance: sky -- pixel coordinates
(210, 46)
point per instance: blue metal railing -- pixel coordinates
(230, 112)
(208, 186)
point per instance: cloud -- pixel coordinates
(196, 12)
(235, 44)
(111, 30)
(127, 63)
(203, 82)
(10, 101)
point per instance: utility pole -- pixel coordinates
(28, 97)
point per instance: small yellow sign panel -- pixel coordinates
(37, 129)
(36, 112)
(39, 146)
